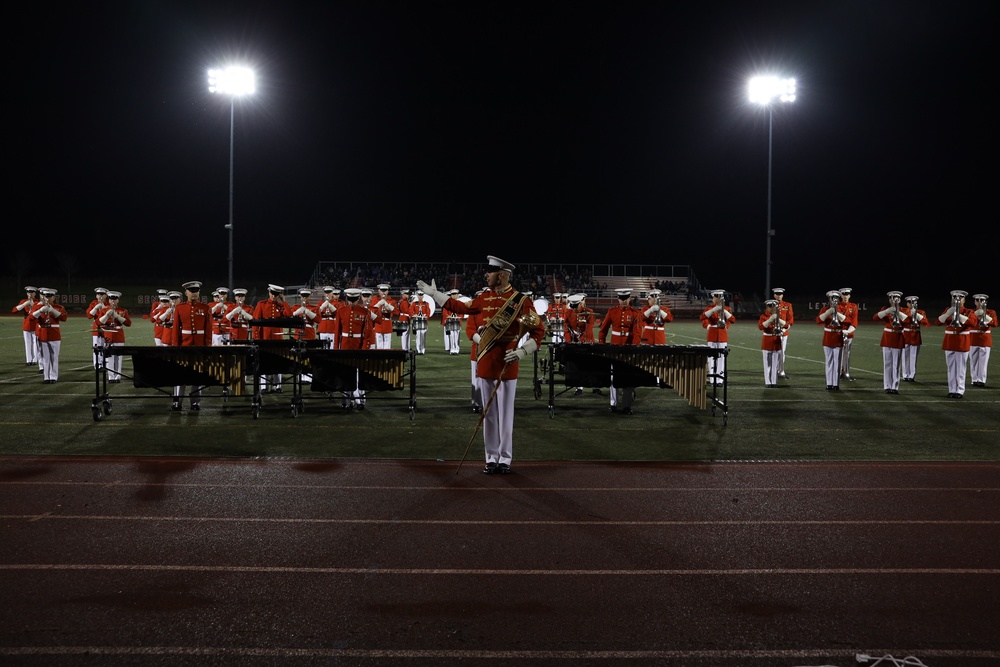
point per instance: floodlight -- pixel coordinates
(231, 81)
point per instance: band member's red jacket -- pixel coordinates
(488, 304)
(269, 309)
(192, 325)
(624, 324)
(958, 336)
(715, 333)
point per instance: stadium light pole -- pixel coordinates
(235, 82)
(766, 91)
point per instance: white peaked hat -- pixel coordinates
(496, 264)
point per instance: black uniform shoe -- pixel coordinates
(613, 408)
(196, 406)
(503, 469)
(476, 409)
(175, 406)
(578, 392)
(490, 469)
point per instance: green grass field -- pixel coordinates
(798, 421)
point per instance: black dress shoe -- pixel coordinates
(490, 469)
(175, 406)
(613, 408)
(503, 469)
(196, 406)
(578, 392)
(476, 409)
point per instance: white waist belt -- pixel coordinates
(653, 327)
(350, 335)
(619, 333)
(187, 332)
(887, 330)
(960, 333)
(52, 326)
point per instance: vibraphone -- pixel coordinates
(685, 368)
(155, 367)
(229, 367)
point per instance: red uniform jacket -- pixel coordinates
(653, 332)
(710, 321)
(25, 307)
(269, 309)
(114, 331)
(580, 326)
(958, 336)
(47, 325)
(220, 325)
(327, 323)
(488, 304)
(892, 331)
(981, 336)
(624, 324)
(192, 325)
(771, 340)
(355, 329)
(383, 324)
(911, 327)
(833, 331)
(238, 327)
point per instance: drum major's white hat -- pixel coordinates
(496, 264)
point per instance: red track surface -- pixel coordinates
(194, 561)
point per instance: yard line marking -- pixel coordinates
(507, 522)
(482, 654)
(478, 572)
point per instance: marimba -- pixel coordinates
(685, 368)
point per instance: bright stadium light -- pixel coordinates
(235, 82)
(765, 91)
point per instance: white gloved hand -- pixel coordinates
(850, 329)
(781, 322)
(476, 338)
(769, 320)
(301, 310)
(980, 313)
(962, 319)
(380, 303)
(652, 310)
(987, 319)
(885, 313)
(519, 353)
(841, 317)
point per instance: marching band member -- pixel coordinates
(912, 340)
(327, 309)
(420, 313)
(271, 308)
(556, 316)
(452, 325)
(851, 313)
(654, 317)
(155, 311)
(220, 308)
(837, 328)
(48, 314)
(192, 327)
(893, 317)
(505, 312)
(579, 325)
(386, 306)
(403, 306)
(354, 331)
(166, 317)
(770, 344)
(980, 340)
(716, 320)
(239, 316)
(787, 313)
(624, 323)
(99, 303)
(308, 312)
(960, 321)
(113, 320)
(24, 307)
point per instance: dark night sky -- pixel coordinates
(537, 131)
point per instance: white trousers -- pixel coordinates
(956, 363)
(404, 339)
(891, 367)
(620, 396)
(832, 357)
(220, 339)
(910, 354)
(421, 341)
(99, 342)
(383, 341)
(114, 362)
(50, 358)
(845, 357)
(717, 365)
(498, 421)
(772, 359)
(451, 342)
(477, 394)
(979, 360)
(781, 355)
(30, 347)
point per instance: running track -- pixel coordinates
(195, 561)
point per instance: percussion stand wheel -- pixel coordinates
(107, 406)
(97, 413)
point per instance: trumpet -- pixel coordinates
(897, 320)
(721, 323)
(957, 312)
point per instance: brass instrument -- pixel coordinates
(721, 323)
(897, 319)
(983, 326)
(957, 312)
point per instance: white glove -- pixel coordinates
(93, 311)
(519, 353)
(841, 317)
(885, 313)
(962, 319)
(980, 313)
(987, 319)
(120, 318)
(943, 317)
(918, 317)
(781, 322)
(651, 311)
(769, 320)
(850, 329)
(301, 310)
(476, 338)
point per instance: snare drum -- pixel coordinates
(400, 326)
(453, 324)
(554, 325)
(420, 323)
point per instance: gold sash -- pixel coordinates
(500, 323)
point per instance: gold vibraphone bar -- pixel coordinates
(682, 367)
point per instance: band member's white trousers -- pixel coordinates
(891, 367)
(50, 358)
(717, 365)
(956, 362)
(477, 394)
(383, 341)
(771, 360)
(621, 397)
(498, 421)
(30, 347)
(781, 354)
(421, 341)
(99, 342)
(845, 357)
(114, 362)
(979, 360)
(910, 354)
(831, 356)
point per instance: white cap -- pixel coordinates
(719, 292)
(47, 291)
(496, 264)
(623, 292)
(833, 293)
(845, 290)
(959, 293)
(420, 292)
(383, 286)
(193, 285)
(654, 292)
(222, 290)
(174, 294)
(366, 291)
(980, 297)
(305, 291)
(277, 289)
(352, 292)
(114, 295)
(405, 290)
(30, 288)
(778, 290)
(327, 288)
(774, 302)
(894, 293)
(100, 290)
(912, 298)
(453, 291)
(239, 291)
